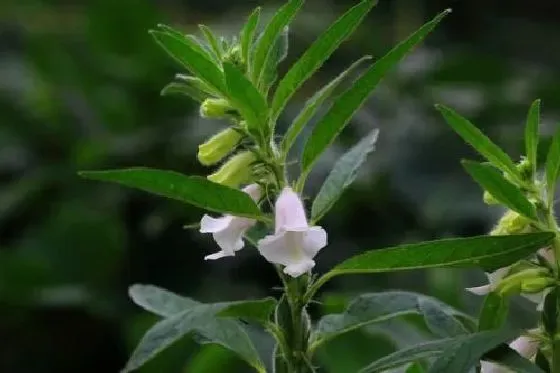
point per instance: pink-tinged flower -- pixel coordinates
(228, 230)
(525, 346)
(294, 243)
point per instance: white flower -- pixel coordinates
(228, 230)
(294, 243)
(525, 346)
(495, 277)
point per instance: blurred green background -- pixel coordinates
(79, 89)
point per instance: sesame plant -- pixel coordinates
(254, 203)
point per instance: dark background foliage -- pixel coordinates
(79, 89)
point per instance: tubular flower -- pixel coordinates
(218, 146)
(228, 230)
(525, 346)
(236, 171)
(294, 243)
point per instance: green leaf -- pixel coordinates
(200, 319)
(246, 98)
(465, 352)
(184, 315)
(248, 34)
(415, 368)
(550, 312)
(198, 84)
(417, 352)
(314, 103)
(503, 191)
(493, 313)
(278, 53)
(212, 41)
(510, 359)
(317, 54)
(266, 41)
(178, 88)
(342, 175)
(440, 318)
(542, 362)
(479, 141)
(257, 310)
(532, 134)
(379, 307)
(194, 190)
(488, 252)
(198, 64)
(338, 116)
(160, 301)
(553, 167)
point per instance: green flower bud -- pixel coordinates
(236, 171)
(218, 146)
(516, 283)
(512, 223)
(233, 56)
(215, 108)
(525, 168)
(536, 285)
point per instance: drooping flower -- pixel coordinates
(525, 346)
(228, 230)
(294, 243)
(236, 170)
(218, 146)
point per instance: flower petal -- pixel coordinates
(218, 255)
(527, 347)
(314, 240)
(290, 214)
(480, 290)
(299, 268)
(231, 238)
(209, 224)
(273, 248)
(254, 191)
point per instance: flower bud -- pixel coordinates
(512, 223)
(527, 279)
(215, 108)
(218, 146)
(536, 285)
(233, 56)
(236, 171)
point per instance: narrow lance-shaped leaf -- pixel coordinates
(417, 352)
(182, 51)
(265, 43)
(463, 356)
(212, 41)
(317, 54)
(367, 309)
(482, 144)
(160, 301)
(342, 175)
(248, 34)
(247, 99)
(532, 134)
(197, 83)
(502, 190)
(314, 103)
(180, 88)
(508, 358)
(493, 313)
(553, 166)
(338, 116)
(488, 252)
(194, 190)
(277, 54)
